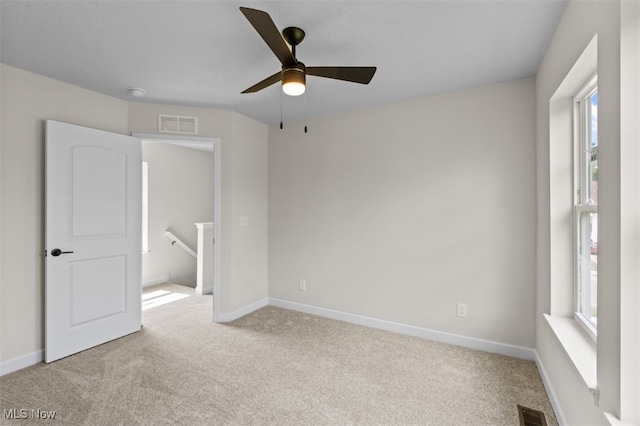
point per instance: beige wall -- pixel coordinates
(401, 211)
(250, 244)
(578, 26)
(618, 186)
(630, 211)
(243, 145)
(396, 212)
(27, 101)
(180, 194)
(143, 118)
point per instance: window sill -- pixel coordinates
(580, 348)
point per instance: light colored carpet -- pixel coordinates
(273, 366)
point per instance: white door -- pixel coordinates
(93, 243)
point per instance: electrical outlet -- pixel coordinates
(302, 285)
(244, 221)
(461, 310)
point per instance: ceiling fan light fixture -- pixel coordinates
(293, 81)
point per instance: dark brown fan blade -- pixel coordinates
(264, 25)
(264, 83)
(354, 74)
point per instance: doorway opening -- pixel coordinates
(181, 223)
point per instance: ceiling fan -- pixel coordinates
(293, 73)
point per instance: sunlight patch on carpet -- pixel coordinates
(160, 297)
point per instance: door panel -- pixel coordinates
(93, 190)
(97, 288)
(105, 169)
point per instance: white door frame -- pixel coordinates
(193, 141)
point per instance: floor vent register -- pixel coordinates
(529, 417)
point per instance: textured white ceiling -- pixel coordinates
(204, 53)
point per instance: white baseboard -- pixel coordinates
(615, 421)
(205, 290)
(155, 281)
(425, 333)
(228, 317)
(549, 389)
(19, 363)
(439, 336)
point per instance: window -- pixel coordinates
(586, 205)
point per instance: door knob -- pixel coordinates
(58, 252)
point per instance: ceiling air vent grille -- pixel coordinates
(178, 124)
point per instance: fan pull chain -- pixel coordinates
(305, 111)
(281, 110)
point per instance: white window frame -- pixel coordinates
(582, 202)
